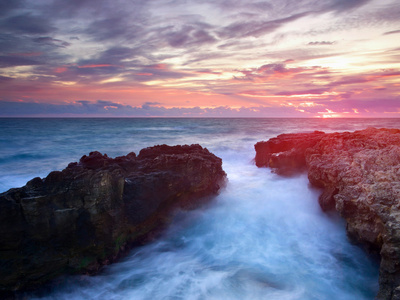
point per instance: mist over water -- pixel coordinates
(263, 236)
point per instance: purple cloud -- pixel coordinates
(13, 61)
(321, 43)
(27, 24)
(256, 28)
(189, 36)
(51, 41)
(392, 32)
(109, 108)
(303, 92)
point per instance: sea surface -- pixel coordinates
(263, 236)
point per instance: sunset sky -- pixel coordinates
(192, 58)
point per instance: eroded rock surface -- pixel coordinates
(359, 173)
(77, 219)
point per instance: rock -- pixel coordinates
(359, 173)
(286, 153)
(89, 214)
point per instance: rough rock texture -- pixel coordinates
(75, 220)
(360, 176)
(286, 153)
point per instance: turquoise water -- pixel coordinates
(263, 237)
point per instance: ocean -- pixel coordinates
(262, 237)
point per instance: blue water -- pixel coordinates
(263, 237)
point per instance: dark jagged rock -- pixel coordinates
(360, 176)
(87, 215)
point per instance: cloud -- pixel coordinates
(214, 48)
(7, 6)
(256, 28)
(392, 32)
(303, 92)
(278, 70)
(112, 28)
(323, 43)
(374, 107)
(189, 36)
(13, 61)
(153, 72)
(151, 104)
(341, 6)
(51, 41)
(373, 77)
(148, 109)
(350, 80)
(5, 79)
(26, 24)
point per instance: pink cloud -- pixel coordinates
(60, 70)
(159, 66)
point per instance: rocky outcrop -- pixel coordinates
(77, 219)
(359, 173)
(286, 153)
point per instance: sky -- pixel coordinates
(192, 58)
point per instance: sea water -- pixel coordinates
(262, 237)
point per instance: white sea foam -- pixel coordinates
(264, 237)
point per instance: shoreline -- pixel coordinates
(359, 174)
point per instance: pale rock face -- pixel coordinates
(360, 176)
(89, 214)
